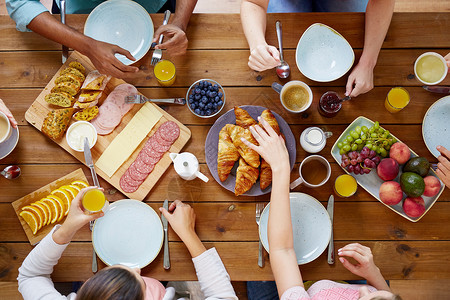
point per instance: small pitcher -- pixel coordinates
(186, 165)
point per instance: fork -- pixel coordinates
(139, 99)
(157, 53)
(94, 256)
(259, 209)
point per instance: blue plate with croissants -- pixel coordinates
(235, 166)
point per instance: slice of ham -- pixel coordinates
(109, 115)
(118, 98)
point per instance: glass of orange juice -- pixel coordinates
(165, 72)
(94, 201)
(396, 99)
(345, 186)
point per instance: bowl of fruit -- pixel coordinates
(206, 98)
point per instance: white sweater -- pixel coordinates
(35, 282)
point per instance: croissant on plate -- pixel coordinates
(246, 177)
(268, 116)
(248, 154)
(243, 118)
(227, 154)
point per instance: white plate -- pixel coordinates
(10, 144)
(124, 23)
(323, 54)
(130, 233)
(371, 182)
(311, 225)
(436, 126)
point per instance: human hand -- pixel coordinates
(443, 170)
(366, 267)
(8, 113)
(360, 81)
(447, 58)
(102, 56)
(175, 41)
(263, 57)
(271, 145)
(181, 217)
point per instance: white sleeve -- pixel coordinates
(34, 274)
(213, 277)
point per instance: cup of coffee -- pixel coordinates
(295, 96)
(5, 127)
(430, 68)
(314, 171)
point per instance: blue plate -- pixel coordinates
(436, 126)
(130, 233)
(124, 23)
(323, 54)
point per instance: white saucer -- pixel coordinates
(10, 144)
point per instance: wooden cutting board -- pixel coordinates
(37, 112)
(38, 195)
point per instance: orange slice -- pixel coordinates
(62, 193)
(37, 213)
(49, 210)
(73, 192)
(80, 183)
(31, 220)
(76, 187)
(55, 208)
(44, 212)
(64, 204)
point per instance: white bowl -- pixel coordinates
(441, 58)
(69, 132)
(323, 54)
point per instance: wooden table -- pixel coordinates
(218, 50)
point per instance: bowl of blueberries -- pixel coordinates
(206, 98)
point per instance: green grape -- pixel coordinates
(354, 147)
(374, 135)
(360, 147)
(342, 151)
(378, 151)
(358, 141)
(363, 137)
(364, 129)
(384, 135)
(383, 152)
(380, 130)
(345, 142)
(354, 135)
(369, 146)
(387, 147)
(376, 125)
(371, 130)
(387, 132)
(374, 148)
(339, 145)
(358, 130)
(346, 148)
(349, 139)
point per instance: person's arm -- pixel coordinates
(175, 39)
(34, 274)
(211, 273)
(447, 58)
(443, 170)
(283, 260)
(253, 19)
(8, 113)
(365, 266)
(378, 17)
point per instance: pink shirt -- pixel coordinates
(325, 289)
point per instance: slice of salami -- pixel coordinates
(149, 160)
(130, 181)
(109, 115)
(143, 167)
(161, 140)
(150, 152)
(157, 146)
(169, 131)
(126, 187)
(135, 174)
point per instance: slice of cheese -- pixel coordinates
(126, 142)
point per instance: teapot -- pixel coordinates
(186, 165)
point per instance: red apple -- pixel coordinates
(414, 207)
(387, 169)
(432, 186)
(400, 152)
(391, 193)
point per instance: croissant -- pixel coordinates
(265, 178)
(227, 154)
(243, 118)
(248, 154)
(246, 177)
(270, 118)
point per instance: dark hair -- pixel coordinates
(112, 283)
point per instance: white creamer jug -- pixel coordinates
(186, 165)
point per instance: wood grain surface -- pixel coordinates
(406, 252)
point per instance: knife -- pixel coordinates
(65, 50)
(166, 241)
(89, 162)
(437, 89)
(330, 209)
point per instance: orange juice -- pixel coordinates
(165, 72)
(396, 99)
(93, 200)
(345, 185)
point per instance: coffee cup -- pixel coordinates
(314, 171)
(295, 96)
(5, 127)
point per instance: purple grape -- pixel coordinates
(344, 156)
(365, 149)
(359, 159)
(346, 162)
(372, 154)
(376, 160)
(361, 172)
(357, 169)
(369, 164)
(366, 171)
(353, 162)
(363, 155)
(350, 168)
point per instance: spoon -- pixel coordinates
(345, 99)
(283, 70)
(11, 172)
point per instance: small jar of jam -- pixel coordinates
(329, 104)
